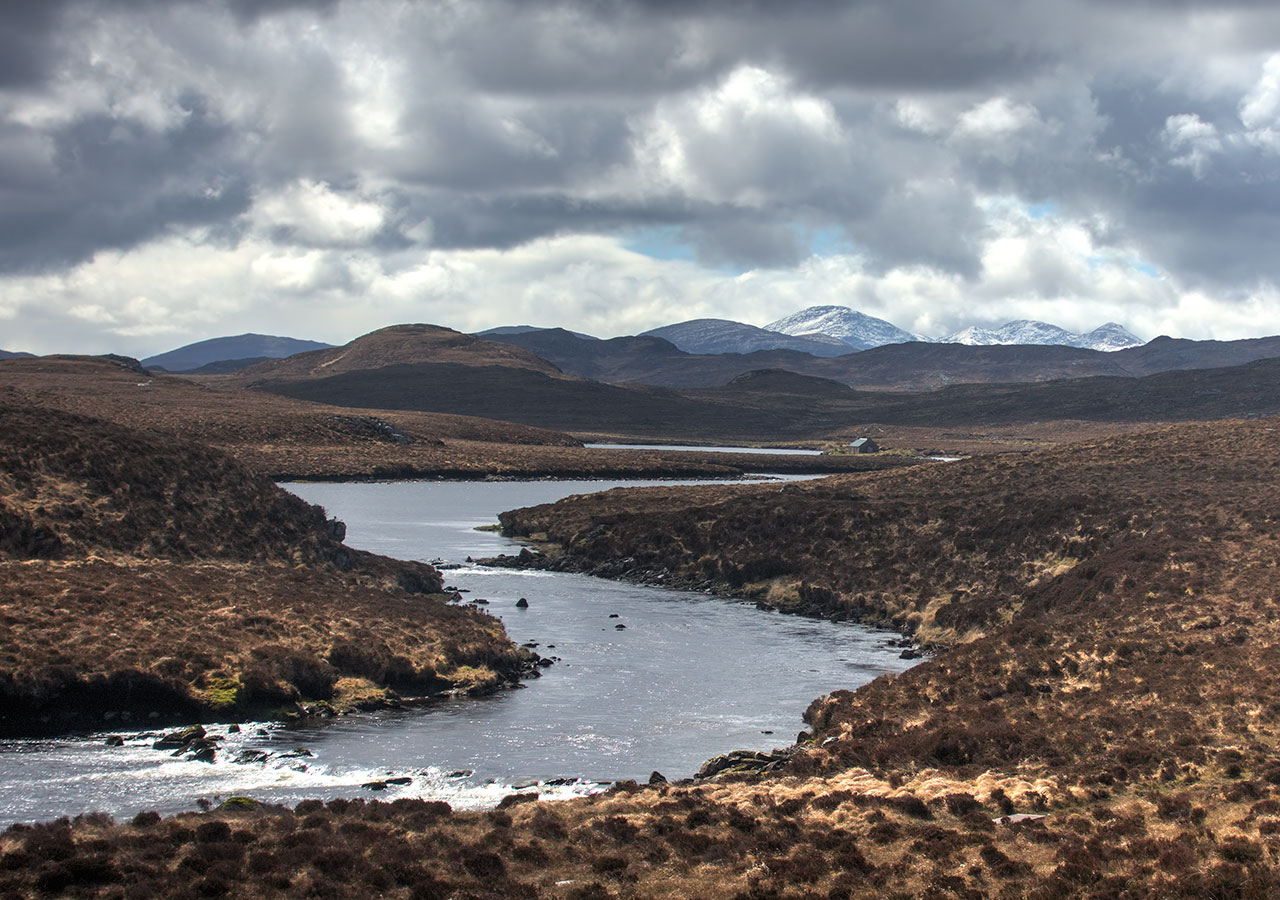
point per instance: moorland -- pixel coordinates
(1097, 718)
(287, 439)
(152, 580)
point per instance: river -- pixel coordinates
(689, 677)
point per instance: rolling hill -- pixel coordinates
(768, 402)
(398, 345)
(225, 351)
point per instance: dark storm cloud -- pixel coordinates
(252, 10)
(25, 29)
(464, 145)
(111, 183)
(639, 47)
(512, 121)
(505, 222)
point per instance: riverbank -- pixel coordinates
(1103, 724)
(149, 580)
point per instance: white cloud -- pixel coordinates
(996, 119)
(300, 169)
(176, 291)
(1260, 107)
(751, 140)
(1196, 140)
(314, 214)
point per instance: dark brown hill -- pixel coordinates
(1166, 354)
(781, 404)
(780, 381)
(74, 487)
(394, 346)
(275, 435)
(520, 395)
(1196, 394)
(923, 367)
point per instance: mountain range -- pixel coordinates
(13, 354)
(1110, 336)
(864, 332)
(821, 332)
(432, 369)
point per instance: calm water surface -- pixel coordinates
(690, 677)
(772, 451)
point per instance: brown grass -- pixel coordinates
(288, 439)
(1111, 611)
(144, 575)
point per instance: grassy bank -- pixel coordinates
(146, 578)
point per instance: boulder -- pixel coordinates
(178, 740)
(743, 762)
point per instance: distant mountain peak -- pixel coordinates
(854, 328)
(1110, 336)
(711, 336)
(233, 347)
(527, 329)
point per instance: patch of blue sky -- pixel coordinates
(1132, 262)
(830, 240)
(1042, 210)
(659, 242)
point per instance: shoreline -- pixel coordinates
(544, 557)
(711, 468)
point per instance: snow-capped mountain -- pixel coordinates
(854, 328)
(1026, 331)
(1111, 336)
(708, 336)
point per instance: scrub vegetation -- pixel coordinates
(148, 578)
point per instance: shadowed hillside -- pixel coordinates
(145, 575)
(911, 366)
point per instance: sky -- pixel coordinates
(172, 171)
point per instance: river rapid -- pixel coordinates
(689, 677)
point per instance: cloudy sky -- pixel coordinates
(171, 171)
